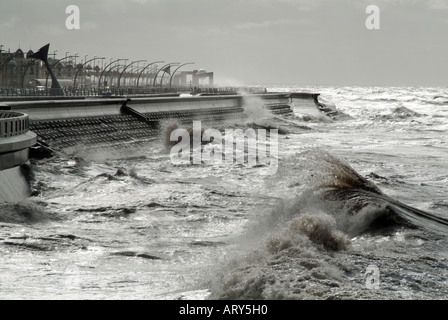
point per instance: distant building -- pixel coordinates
(195, 78)
(16, 71)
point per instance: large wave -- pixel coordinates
(356, 203)
(300, 249)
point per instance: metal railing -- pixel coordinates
(13, 124)
(115, 91)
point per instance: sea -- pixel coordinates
(357, 208)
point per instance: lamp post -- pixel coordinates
(171, 78)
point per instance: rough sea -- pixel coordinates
(357, 209)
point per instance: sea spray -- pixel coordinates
(301, 251)
(319, 228)
(254, 108)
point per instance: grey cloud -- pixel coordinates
(252, 41)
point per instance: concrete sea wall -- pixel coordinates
(109, 122)
(116, 122)
(13, 185)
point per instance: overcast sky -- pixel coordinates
(249, 42)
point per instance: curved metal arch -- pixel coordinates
(122, 72)
(171, 78)
(162, 68)
(82, 66)
(118, 66)
(133, 72)
(105, 68)
(141, 72)
(54, 66)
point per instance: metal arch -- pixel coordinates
(162, 68)
(118, 66)
(133, 71)
(82, 66)
(171, 78)
(102, 73)
(46, 79)
(122, 72)
(141, 72)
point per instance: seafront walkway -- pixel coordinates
(95, 92)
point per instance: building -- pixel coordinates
(17, 71)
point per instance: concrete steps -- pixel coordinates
(121, 130)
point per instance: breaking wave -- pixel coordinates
(306, 233)
(333, 186)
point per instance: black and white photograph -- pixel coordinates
(241, 152)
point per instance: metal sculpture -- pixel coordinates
(42, 54)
